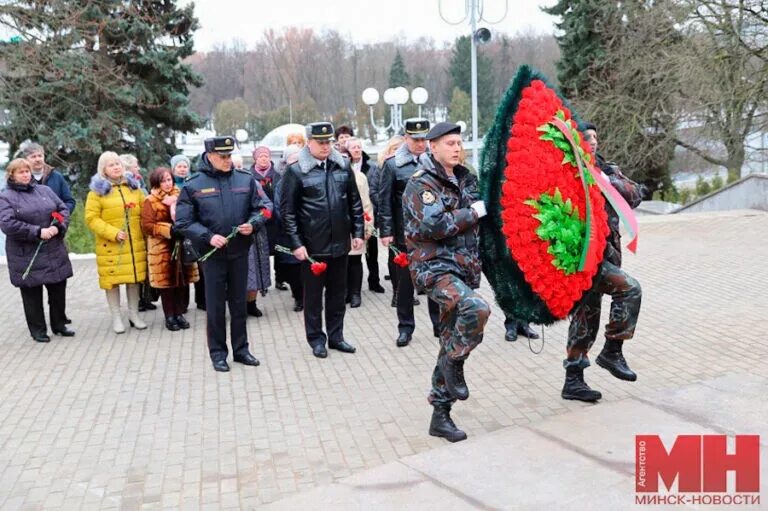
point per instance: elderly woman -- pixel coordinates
(181, 169)
(180, 166)
(113, 213)
(166, 272)
(389, 150)
(355, 262)
(34, 220)
(265, 238)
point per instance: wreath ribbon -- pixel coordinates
(617, 202)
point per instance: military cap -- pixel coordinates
(443, 128)
(322, 131)
(224, 145)
(416, 127)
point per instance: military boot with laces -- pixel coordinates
(453, 374)
(443, 426)
(576, 388)
(612, 359)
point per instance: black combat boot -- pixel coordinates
(253, 310)
(453, 374)
(576, 388)
(443, 426)
(611, 358)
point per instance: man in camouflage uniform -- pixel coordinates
(441, 214)
(611, 280)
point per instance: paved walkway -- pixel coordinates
(141, 421)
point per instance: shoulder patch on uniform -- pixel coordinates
(428, 197)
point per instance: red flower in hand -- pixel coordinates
(130, 205)
(401, 260)
(367, 217)
(266, 213)
(318, 268)
(57, 217)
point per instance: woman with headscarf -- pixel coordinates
(113, 213)
(181, 168)
(264, 239)
(34, 220)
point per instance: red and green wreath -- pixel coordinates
(546, 233)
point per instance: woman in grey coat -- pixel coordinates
(35, 248)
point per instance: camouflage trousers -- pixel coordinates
(463, 314)
(585, 320)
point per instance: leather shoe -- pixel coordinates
(298, 306)
(394, 301)
(64, 332)
(172, 324)
(67, 321)
(525, 330)
(511, 334)
(355, 301)
(403, 339)
(281, 286)
(41, 337)
(377, 288)
(342, 346)
(220, 366)
(201, 306)
(319, 351)
(247, 359)
(253, 310)
(436, 331)
(182, 322)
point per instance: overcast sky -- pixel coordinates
(364, 21)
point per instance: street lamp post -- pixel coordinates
(473, 10)
(395, 98)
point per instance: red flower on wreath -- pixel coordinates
(536, 167)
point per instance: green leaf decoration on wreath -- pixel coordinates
(562, 228)
(554, 135)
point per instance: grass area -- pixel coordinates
(79, 238)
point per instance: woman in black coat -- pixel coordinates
(35, 248)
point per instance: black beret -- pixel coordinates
(220, 145)
(443, 128)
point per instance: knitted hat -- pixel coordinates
(261, 150)
(178, 159)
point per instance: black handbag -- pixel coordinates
(189, 254)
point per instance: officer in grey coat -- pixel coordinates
(393, 178)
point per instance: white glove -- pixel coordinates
(479, 208)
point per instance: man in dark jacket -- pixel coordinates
(218, 208)
(394, 176)
(441, 211)
(625, 294)
(321, 212)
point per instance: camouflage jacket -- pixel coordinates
(632, 193)
(441, 230)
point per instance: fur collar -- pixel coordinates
(102, 186)
(307, 162)
(403, 156)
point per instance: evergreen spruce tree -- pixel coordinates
(398, 76)
(86, 77)
(584, 24)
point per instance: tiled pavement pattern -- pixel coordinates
(141, 421)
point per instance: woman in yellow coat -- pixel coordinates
(113, 213)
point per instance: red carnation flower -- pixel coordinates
(130, 205)
(266, 213)
(318, 268)
(367, 217)
(57, 217)
(401, 260)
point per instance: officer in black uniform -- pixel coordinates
(395, 173)
(213, 202)
(322, 216)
